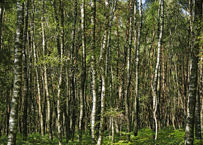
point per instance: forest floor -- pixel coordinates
(166, 136)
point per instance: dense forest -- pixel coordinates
(101, 72)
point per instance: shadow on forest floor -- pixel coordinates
(166, 136)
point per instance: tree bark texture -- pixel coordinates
(17, 77)
(189, 129)
(137, 71)
(25, 71)
(93, 69)
(83, 75)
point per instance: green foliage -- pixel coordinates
(166, 136)
(112, 112)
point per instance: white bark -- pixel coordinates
(159, 35)
(93, 68)
(17, 77)
(83, 75)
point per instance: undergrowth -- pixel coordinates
(166, 136)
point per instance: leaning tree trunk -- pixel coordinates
(189, 130)
(17, 77)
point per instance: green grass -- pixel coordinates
(166, 136)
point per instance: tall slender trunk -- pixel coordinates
(21, 96)
(103, 73)
(198, 20)
(201, 90)
(154, 89)
(37, 73)
(127, 113)
(189, 130)
(25, 71)
(72, 78)
(45, 73)
(17, 77)
(67, 105)
(163, 92)
(59, 112)
(118, 50)
(83, 75)
(93, 68)
(124, 62)
(60, 83)
(151, 69)
(137, 71)
(197, 112)
(101, 129)
(98, 105)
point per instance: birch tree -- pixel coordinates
(102, 72)
(127, 113)
(45, 72)
(93, 69)
(189, 130)
(60, 83)
(25, 71)
(17, 77)
(198, 20)
(83, 75)
(154, 87)
(73, 68)
(137, 70)
(37, 71)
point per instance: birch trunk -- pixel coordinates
(118, 49)
(60, 83)
(124, 62)
(127, 113)
(98, 106)
(17, 77)
(189, 130)
(36, 71)
(155, 94)
(103, 73)
(198, 20)
(45, 73)
(201, 91)
(137, 71)
(25, 71)
(83, 75)
(93, 69)
(197, 113)
(73, 56)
